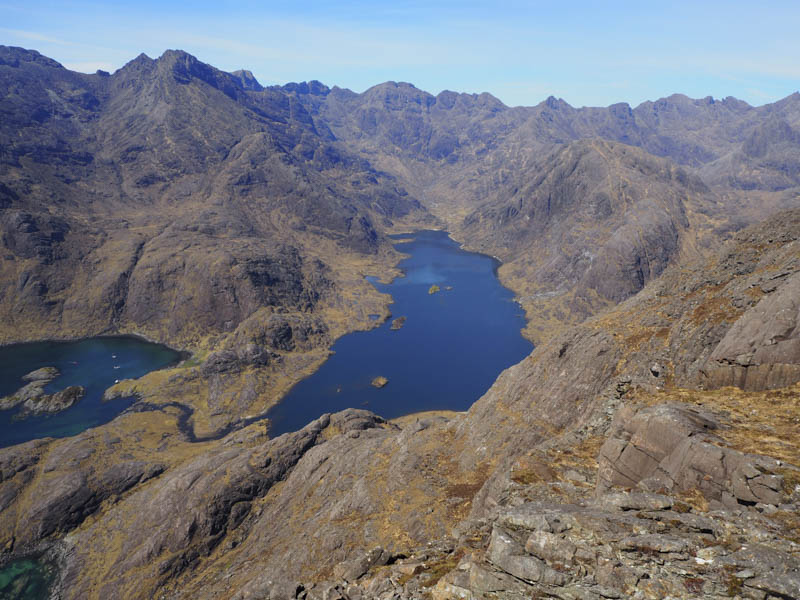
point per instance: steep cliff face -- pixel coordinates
(587, 226)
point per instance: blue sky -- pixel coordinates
(589, 53)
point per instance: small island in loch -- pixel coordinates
(34, 399)
(380, 381)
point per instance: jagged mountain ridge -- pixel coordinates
(140, 122)
(473, 162)
(454, 127)
(303, 157)
(168, 201)
(122, 170)
(188, 203)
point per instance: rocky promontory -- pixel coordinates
(35, 401)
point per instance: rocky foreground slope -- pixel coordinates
(608, 464)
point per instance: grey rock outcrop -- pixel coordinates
(617, 544)
(762, 349)
(599, 551)
(52, 403)
(35, 401)
(672, 448)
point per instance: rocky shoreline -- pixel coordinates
(35, 401)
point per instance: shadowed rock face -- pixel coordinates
(595, 217)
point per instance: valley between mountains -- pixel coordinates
(646, 448)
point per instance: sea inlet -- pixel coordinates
(95, 364)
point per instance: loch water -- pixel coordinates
(451, 348)
(94, 363)
(26, 579)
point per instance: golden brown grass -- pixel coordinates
(552, 464)
(764, 422)
(438, 569)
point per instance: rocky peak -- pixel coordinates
(735, 103)
(14, 55)
(313, 87)
(185, 68)
(484, 100)
(247, 80)
(399, 96)
(135, 71)
(447, 99)
(621, 110)
(554, 103)
(139, 60)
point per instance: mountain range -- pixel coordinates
(637, 450)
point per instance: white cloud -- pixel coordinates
(89, 66)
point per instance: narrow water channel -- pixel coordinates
(451, 347)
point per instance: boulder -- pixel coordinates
(509, 555)
(52, 403)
